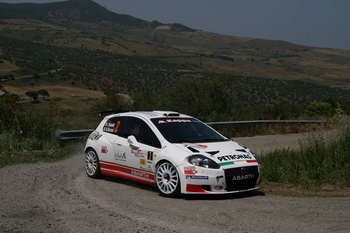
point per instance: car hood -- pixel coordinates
(220, 152)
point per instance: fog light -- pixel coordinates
(218, 188)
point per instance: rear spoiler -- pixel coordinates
(110, 112)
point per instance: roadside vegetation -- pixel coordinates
(320, 162)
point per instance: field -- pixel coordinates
(62, 92)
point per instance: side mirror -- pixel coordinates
(133, 143)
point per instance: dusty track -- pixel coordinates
(59, 197)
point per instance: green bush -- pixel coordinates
(24, 128)
(318, 162)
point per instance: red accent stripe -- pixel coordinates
(121, 165)
(134, 173)
(251, 161)
(117, 174)
(195, 188)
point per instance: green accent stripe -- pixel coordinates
(227, 163)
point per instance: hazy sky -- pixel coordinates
(320, 23)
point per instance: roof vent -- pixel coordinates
(168, 114)
(172, 114)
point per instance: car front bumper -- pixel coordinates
(241, 177)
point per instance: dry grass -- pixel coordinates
(6, 67)
(55, 91)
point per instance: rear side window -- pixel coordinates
(141, 131)
(114, 125)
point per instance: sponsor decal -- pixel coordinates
(104, 149)
(143, 162)
(234, 157)
(140, 174)
(135, 151)
(138, 153)
(109, 127)
(197, 177)
(227, 163)
(174, 121)
(190, 170)
(94, 136)
(150, 155)
(120, 156)
(243, 177)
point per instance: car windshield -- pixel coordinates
(179, 130)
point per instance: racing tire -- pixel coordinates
(92, 164)
(167, 180)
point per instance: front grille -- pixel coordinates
(241, 178)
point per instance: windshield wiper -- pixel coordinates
(213, 140)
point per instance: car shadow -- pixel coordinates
(130, 183)
(153, 189)
(222, 196)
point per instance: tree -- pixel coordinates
(44, 93)
(320, 109)
(205, 99)
(32, 95)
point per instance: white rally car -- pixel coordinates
(174, 152)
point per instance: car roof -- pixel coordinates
(150, 114)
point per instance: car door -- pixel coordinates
(138, 143)
(111, 132)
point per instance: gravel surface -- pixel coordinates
(59, 197)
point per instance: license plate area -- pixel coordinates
(241, 178)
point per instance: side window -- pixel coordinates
(114, 125)
(142, 132)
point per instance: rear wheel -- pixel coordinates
(167, 180)
(92, 164)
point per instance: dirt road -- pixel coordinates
(59, 197)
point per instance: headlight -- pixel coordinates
(202, 161)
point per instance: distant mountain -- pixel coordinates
(76, 26)
(68, 12)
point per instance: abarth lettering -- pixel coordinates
(140, 174)
(243, 177)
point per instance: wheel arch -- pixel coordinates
(163, 161)
(90, 148)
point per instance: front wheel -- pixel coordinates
(167, 180)
(92, 164)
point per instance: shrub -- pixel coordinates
(316, 163)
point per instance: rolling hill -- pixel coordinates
(81, 44)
